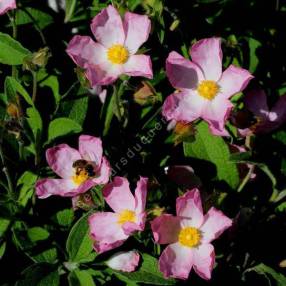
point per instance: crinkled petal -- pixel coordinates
(90, 148)
(138, 65)
(207, 54)
(204, 259)
(83, 50)
(233, 80)
(166, 229)
(107, 27)
(61, 158)
(106, 231)
(6, 5)
(216, 113)
(215, 223)
(141, 194)
(118, 195)
(184, 106)
(124, 261)
(137, 30)
(190, 206)
(103, 173)
(176, 261)
(61, 187)
(182, 73)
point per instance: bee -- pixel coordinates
(83, 165)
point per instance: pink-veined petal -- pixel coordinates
(124, 261)
(137, 30)
(61, 158)
(141, 194)
(107, 27)
(103, 173)
(106, 231)
(138, 65)
(60, 187)
(204, 259)
(207, 54)
(215, 223)
(190, 206)
(90, 148)
(182, 73)
(166, 229)
(118, 195)
(6, 5)
(176, 261)
(233, 80)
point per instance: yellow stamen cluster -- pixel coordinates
(126, 216)
(117, 54)
(190, 237)
(80, 178)
(208, 89)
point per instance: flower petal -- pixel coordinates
(83, 50)
(182, 73)
(215, 223)
(138, 65)
(184, 106)
(234, 80)
(190, 206)
(118, 195)
(204, 259)
(141, 194)
(124, 261)
(90, 148)
(107, 27)
(60, 187)
(6, 5)
(207, 54)
(60, 158)
(277, 115)
(103, 173)
(105, 231)
(137, 30)
(166, 228)
(176, 261)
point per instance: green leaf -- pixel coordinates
(61, 127)
(267, 271)
(213, 149)
(26, 185)
(49, 256)
(40, 274)
(80, 278)
(109, 106)
(79, 110)
(4, 224)
(12, 87)
(35, 122)
(79, 243)
(65, 217)
(2, 249)
(70, 7)
(253, 59)
(31, 15)
(11, 51)
(37, 233)
(148, 273)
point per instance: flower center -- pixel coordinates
(118, 54)
(208, 89)
(83, 171)
(126, 216)
(190, 236)
(80, 178)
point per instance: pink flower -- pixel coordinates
(114, 52)
(124, 261)
(79, 170)
(204, 90)
(6, 5)
(267, 119)
(189, 235)
(111, 229)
